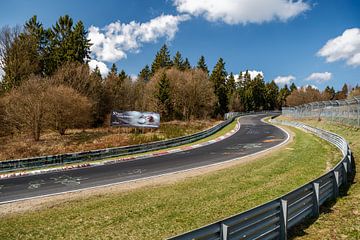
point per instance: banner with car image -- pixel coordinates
(135, 119)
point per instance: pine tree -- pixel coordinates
(283, 94)
(329, 93)
(163, 96)
(231, 85)
(80, 44)
(293, 87)
(202, 65)
(271, 96)
(162, 60)
(123, 75)
(218, 77)
(187, 65)
(258, 92)
(145, 74)
(113, 70)
(67, 43)
(22, 53)
(96, 72)
(178, 62)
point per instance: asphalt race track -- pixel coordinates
(253, 136)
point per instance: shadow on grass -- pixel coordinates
(299, 230)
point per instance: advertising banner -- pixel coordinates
(135, 119)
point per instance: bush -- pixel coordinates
(67, 109)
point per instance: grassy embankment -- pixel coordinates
(21, 145)
(161, 211)
(342, 220)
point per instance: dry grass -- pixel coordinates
(22, 145)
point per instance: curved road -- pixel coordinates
(253, 136)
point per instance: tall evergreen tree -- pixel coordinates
(258, 92)
(218, 77)
(231, 85)
(21, 53)
(163, 97)
(123, 75)
(68, 43)
(201, 64)
(178, 62)
(187, 65)
(293, 87)
(283, 94)
(329, 93)
(271, 96)
(145, 74)
(162, 60)
(81, 45)
(113, 70)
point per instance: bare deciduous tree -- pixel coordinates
(26, 106)
(66, 108)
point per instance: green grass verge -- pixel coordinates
(162, 211)
(342, 220)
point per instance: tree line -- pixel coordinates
(47, 84)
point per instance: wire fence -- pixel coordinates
(342, 111)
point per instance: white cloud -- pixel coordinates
(345, 47)
(112, 43)
(242, 11)
(253, 73)
(284, 79)
(308, 85)
(104, 70)
(320, 77)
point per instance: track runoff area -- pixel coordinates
(254, 136)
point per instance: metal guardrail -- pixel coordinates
(272, 220)
(344, 111)
(61, 159)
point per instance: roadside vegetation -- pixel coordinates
(21, 145)
(164, 210)
(340, 220)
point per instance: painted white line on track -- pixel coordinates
(159, 175)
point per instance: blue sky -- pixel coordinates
(282, 39)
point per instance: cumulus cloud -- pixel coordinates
(253, 74)
(114, 41)
(242, 11)
(308, 85)
(284, 79)
(345, 47)
(320, 77)
(104, 70)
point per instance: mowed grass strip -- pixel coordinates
(162, 211)
(342, 220)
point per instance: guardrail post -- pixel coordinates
(224, 231)
(336, 184)
(316, 192)
(283, 219)
(345, 165)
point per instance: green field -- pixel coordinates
(161, 211)
(342, 220)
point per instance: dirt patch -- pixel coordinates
(52, 201)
